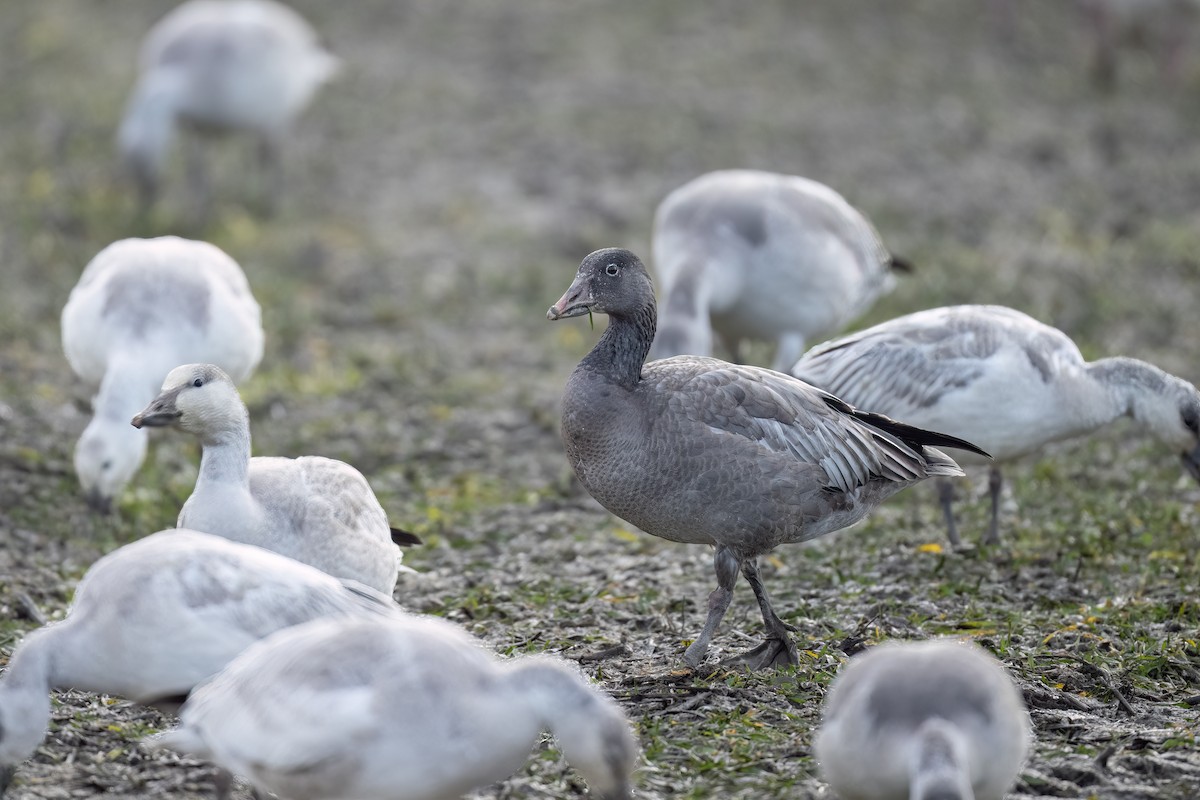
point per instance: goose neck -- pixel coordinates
(622, 350)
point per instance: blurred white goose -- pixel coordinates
(410, 709)
(316, 510)
(936, 720)
(141, 307)
(1003, 380)
(758, 255)
(220, 66)
(154, 618)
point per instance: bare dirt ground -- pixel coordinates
(440, 196)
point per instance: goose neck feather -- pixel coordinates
(622, 350)
(225, 458)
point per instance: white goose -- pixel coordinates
(316, 510)
(410, 709)
(154, 618)
(1002, 380)
(141, 307)
(758, 255)
(217, 66)
(936, 720)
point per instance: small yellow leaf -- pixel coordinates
(931, 547)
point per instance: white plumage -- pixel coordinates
(1003, 380)
(758, 255)
(154, 618)
(410, 709)
(316, 510)
(141, 307)
(919, 721)
(220, 66)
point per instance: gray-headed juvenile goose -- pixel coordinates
(142, 307)
(220, 66)
(758, 255)
(154, 618)
(936, 720)
(1001, 379)
(410, 709)
(697, 450)
(316, 510)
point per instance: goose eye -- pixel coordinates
(612, 269)
(198, 383)
(1191, 420)
(106, 465)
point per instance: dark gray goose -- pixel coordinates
(697, 450)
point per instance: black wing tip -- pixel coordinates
(404, 538)
(898, 264)
(910, 434)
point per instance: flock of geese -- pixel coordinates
(266, 618)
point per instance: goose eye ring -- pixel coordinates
(612, 269)
(198, 383)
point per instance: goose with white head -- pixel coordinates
(316, 510)
(935, 720)
(697, 450)
(405, 709)
(141, 307)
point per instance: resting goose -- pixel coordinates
(936, 720)
(410, 709)
(1002, 379)
(141, 307)
(156, 617)
(316, 510)
(758, 255)
(698, 450)
(220, 66)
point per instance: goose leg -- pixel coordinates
(778, 650)
(726, 565)
(199, 182)
(995, 485)
(271, 169)
(945, 490)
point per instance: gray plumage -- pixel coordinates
(697, 450)
(917, 721)
(1003, 380)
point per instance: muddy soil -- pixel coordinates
(440, 195)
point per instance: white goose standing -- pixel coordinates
(758, 255)
(313, 509)
(220, 66)
(1001, 379)
(141, 307)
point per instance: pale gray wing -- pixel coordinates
(912, 362)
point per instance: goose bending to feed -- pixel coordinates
(758, 255)
(697, 450)
(141, 307)
(316, 510)
(936, 720)
(154, 618)
(1003, 380)
(409, 709)
(220, 66)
